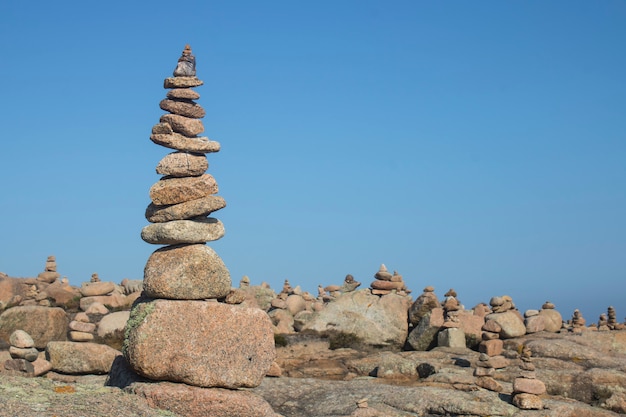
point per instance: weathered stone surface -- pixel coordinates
(112, 324)
(452, 337)
(295, 304)
(489, 383)
(471, 324)
(48, 276)
(424, 336)
(181, 82)
(21, 366)
(175, 232)
(377, 321)
(512, 325)
(422, 306)
(82, 327)
(534, 324)
(187, 210)
(21, 339)
(183, 125)
(552, 319)
(80, 358)
(179, 190)
(527, 402)
(185, 93)
(199, 343)
(529, 386)
(186, 272)
(43, 324)
(179, 142)
(62, 294)
(312, 397)
(386, 285)
(201, 402)
(97, 288)
(183, 107)
(182, 164)
(114, 300)
(491, 347)
(41, 366)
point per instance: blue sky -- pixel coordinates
(473, 145)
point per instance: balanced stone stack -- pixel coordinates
(385, 283)
(180, 330)
(526, 387)
(578, 322)
(50, 273)
(552, 319)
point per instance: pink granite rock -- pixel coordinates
(179, 190)
(43, 324)
(176, 232)
(182, 164)
(186, 272)
(183, 125)
(187, 210)
(199, 343)
(81, 358)
(511, 323)
(200, 402)
(184, 108)
(529, 386)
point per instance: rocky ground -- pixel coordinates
(585, 375)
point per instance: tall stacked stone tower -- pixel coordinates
(180, 330)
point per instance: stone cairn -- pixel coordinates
(180, 330)
(612, 320)
(50, 273)
(578, 322)
(385, 283)
(526, 387)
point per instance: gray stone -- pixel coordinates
(424, 336)
(186, 272)
(376, 321)
(452, 337)
(182, 164)
(175, 232)
(21, 339)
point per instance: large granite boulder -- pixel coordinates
(424, 336)
(43, 324)
(200, 343)
(375, 320)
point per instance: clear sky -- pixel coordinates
(473, 145)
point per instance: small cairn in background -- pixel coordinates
(526, 387)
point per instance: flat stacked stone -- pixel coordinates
(186, 327)
(81, 329)
(612, 320)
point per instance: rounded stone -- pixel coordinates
(21, 339)
(186, 272)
